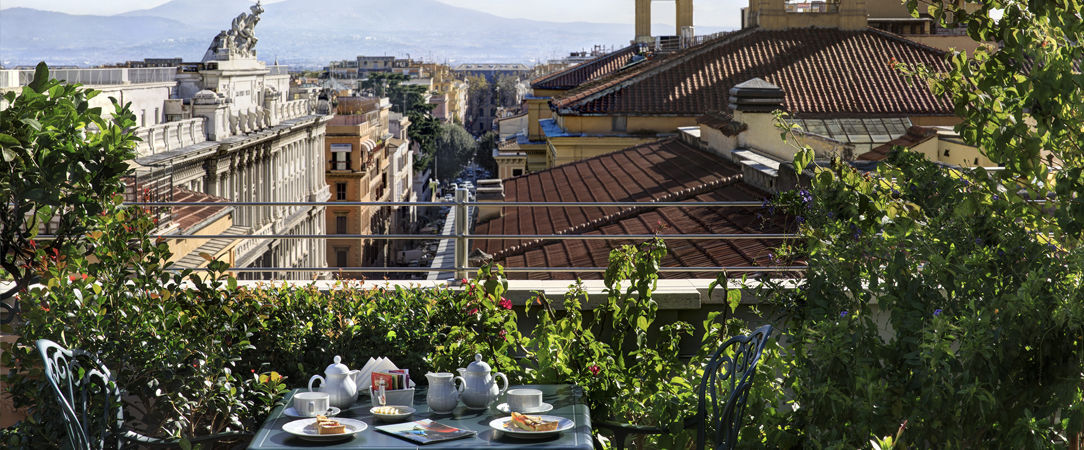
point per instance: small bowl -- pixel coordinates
(404, 412)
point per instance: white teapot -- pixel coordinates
(479, 388)
(341, 384)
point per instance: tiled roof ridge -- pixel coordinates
(594, 62)
(614, 81)
(576, 99)
(596, 157)
(901, 39)
(625, 213)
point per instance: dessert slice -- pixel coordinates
(329, 426)
(532, 423)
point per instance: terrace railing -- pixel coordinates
(458, 239)
(461, 235)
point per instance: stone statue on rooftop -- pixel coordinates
(239, 41)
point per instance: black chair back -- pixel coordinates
(89, 398)
(725, 386)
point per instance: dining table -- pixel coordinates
(566, 401)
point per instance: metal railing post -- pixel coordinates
(460, 233)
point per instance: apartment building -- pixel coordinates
(369, 160)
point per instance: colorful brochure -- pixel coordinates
(425, 431)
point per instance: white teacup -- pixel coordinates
(524, 400)
(311, 403)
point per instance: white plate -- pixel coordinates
(331, 412)
(504, 426)
(544, 407)
(404, 412)
(306, 429)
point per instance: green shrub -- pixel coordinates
(934, 298)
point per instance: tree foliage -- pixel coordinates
(951, 300)
(455, 147)
(61, 162)
(484, 155)
(1021, 103)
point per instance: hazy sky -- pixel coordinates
(717, 13)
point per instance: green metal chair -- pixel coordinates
(722, 392)
(90, 401)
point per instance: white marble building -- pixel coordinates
(225, 127)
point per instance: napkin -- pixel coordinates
(380, 364)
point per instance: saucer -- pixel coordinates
(331, 412)
(544, 407)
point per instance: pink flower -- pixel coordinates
(595, 369)
(473, 311)
(505, 303)
(501, 334)
(464, 281)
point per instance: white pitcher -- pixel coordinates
(479, 385)
(443, 394)
(340, 385)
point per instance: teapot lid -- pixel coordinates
(337, 367)
(478, 366)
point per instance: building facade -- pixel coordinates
(369, 160)
(225, 129)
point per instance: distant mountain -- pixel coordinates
(302, 32)
(29, 35)
(214, 14)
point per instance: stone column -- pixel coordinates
(643, 21)
(684, 15)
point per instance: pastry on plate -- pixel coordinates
(532, 423)
(328, 426)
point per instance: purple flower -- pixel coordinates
(831, 215)
(978, 241)
(843, 314)
(937, 312)
(996, 198)
(800, 219)
(807, 197)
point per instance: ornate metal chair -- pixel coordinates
(722, 393)
(91, 402)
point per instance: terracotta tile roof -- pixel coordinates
(187, 217)
(824, 72)
(667, 170)
(915, 135)
(580, 73)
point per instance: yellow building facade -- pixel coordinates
(356, 172)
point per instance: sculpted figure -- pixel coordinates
(240, 39)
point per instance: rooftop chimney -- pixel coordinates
(490, 191)
(756, 96)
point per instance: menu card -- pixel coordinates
(425, 431)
